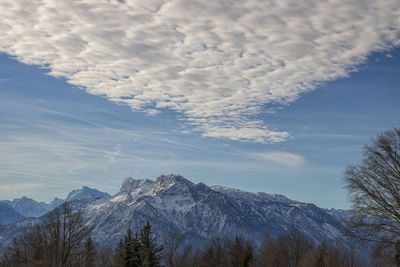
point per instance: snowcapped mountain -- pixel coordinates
(28, 207)
(19, 208)
(85, 193)
(199, 212)
(173, 203)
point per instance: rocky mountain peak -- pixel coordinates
(130, 185)
(167, 182)
(171, 179)
(200, 212)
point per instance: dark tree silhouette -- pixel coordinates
(241, 252)
(215, 254)
(374, 189)
(32, 248)
(150, 251)
(129, 249)
(59, 241)
(132, 250)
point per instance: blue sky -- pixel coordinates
(82, 106)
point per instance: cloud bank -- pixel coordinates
(221, 64)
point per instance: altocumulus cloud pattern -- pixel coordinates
(220, 64)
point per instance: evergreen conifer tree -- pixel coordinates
(150, 251)
(136, 259)
(129, 249)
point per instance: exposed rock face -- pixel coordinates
(173, 203)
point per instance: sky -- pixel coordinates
(260, 95)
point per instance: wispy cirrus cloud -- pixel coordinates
(20, 187)
(282, 158)
(219, 64)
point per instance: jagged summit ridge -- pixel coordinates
(175, 182)
(174, 204)
(237, 193)
(133, 188)
(130, 184)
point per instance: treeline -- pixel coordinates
(64, 240)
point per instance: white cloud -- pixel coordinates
(282, 158)
(221, 64)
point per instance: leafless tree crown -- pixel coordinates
(374, 187)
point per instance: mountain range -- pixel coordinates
(174, 204)
(24, 207)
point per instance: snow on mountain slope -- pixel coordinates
(132, 189)
(85, 193)
(173, 203)
(240, 194)
(342, 215)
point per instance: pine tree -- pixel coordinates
(136, 259)
(129, 249)
(150, 251)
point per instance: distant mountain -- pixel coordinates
(28, 207)
(199, 212)
(55, 203)
(86, 193)
(31, 208)
(8, 214)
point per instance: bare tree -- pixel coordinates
(374, 189)
(215, 254)
(285, 251)
(59, 241)
(326, 256)
(172, 242)
(187, 258)
(67, 233)
(241, 252)
(90, 253)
